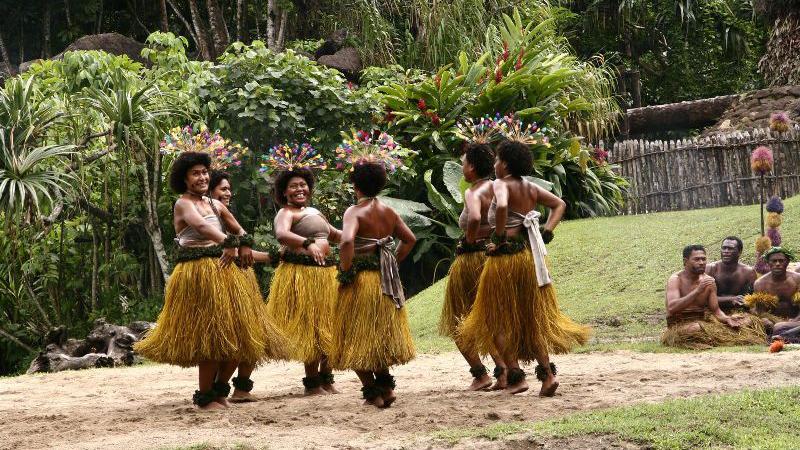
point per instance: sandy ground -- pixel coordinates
(150, 406)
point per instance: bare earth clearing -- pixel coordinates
(149, 406)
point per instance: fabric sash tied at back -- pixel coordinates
(390, 271)
(531, 223)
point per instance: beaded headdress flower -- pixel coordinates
(483, 130)
(292, 156)
(362, 147)
(515, 130)
(223, 152)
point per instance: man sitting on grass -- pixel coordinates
(777, 298)
(694, 319)
(734, 279)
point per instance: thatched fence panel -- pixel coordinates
(706, 172)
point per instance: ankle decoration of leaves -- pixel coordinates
(498, 371)
(222, 389)
(327, 378)
(515, 376)
(385, 381)
(204, 398)
(371, 392)
(242, 384)
(479, 371)
(541, 372)
(312, 382)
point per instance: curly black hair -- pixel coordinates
(687, 251)
(216, 178)
(181, 165)
(481, 157)
(368, 177)
(517, 157)
(282, 182)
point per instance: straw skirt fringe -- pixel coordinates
(462, 287)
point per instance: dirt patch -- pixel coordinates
(149, 406)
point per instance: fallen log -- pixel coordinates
(678, 116)
(107, 345)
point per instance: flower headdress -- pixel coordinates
(480, 131)
(362, 147)
(514, 130)
(291, 157)
(224, 154)
(786, 252)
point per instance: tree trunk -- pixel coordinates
(151, 223)
(186, 24)
(241, 6)
(219, 30)
(206, 50)
(46, 29)
(164, 18)
(99, 25)
(4, 54)
(67, 14)
(677, 116)
(95, 265)
(780, 65)
(271, 15)
(282, 31)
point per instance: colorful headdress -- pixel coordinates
(224, 154)
(480, 131)
(362, 147)
(788, 253)
(291, 157)
(515, 130)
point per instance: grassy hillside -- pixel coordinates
(611, 272)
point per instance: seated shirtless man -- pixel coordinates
(734, 279)
(694, 318)
(784, 285)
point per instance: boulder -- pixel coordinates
(346, 60)
(333, 44)
(113, 43)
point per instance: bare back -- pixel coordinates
(375, 220)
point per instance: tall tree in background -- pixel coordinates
(781, 62)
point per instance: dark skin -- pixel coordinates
(189, 210)
(513, 193)
(477, 199)
(784, 285)
(691, 290)
(298, 196)
(372, 219)
(734, 279)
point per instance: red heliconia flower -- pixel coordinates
(518, 65)
(421, 105)
(435, 119)
(438, 80)
(505, 51)
(761, 160)
(498, 75)
(350, 85)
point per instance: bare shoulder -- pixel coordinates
(674, 277)
(794, 276)
(711, 267)
(762, 282)
(747, 270)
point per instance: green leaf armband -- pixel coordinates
(230, 241)
(247, 241)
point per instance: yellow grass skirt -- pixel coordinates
(459, 295)
(511, 306)
(714, 333)
(369, 332)
(300, 302)
(212, 313)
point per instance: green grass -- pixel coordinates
(763, 419)
(610, 272)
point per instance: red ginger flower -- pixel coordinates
(505, 51)
(498, 75)
(435, 119)
(421, 105)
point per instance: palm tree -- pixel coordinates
(134, 111)
(780, 65)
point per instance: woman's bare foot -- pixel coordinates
(241, 397)
(213, 406)
(377, 402)
(388, 397)
(330, 389)
(549, 387)
(517, 388)
(516, 381)
(481, 383)
(222, 401)
(501, 382)
(315, 391)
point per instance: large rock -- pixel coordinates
(346, 60)
(333, 44)
(113, 43)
